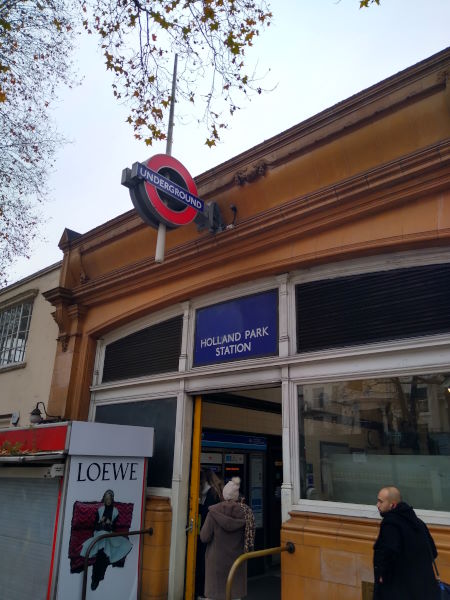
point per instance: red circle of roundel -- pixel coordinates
(157, 162)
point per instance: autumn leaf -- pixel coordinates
(367, 3)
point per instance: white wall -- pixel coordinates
(23, 385)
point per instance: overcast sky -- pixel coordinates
(316, 53)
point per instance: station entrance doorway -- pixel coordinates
(239, 434)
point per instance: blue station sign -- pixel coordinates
(237, 329)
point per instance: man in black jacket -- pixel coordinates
(403, 552)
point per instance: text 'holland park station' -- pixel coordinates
(236, 342)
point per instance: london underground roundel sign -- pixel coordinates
(163, 191)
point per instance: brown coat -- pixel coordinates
(223, 531)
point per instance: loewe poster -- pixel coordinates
(104, 495)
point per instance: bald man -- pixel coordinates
(403, 552)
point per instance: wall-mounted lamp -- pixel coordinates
(446, 383)
(36, 415)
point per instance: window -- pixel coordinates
(159, 413)
(14, 328)
(356, 436)
(373, 307)
(150, 351)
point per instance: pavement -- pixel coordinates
(264, 587)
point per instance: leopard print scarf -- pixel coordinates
(249, 535)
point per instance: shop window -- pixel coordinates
(159, 414)
(14, 329)
(373, 307)
(369, 433)
(149, 351)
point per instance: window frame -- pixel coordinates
(416, 355)
(20, 300)
(426, 354)
(124, 331)
(332, 382)
(344, 508)
(360, 266)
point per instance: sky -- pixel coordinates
(315, 54)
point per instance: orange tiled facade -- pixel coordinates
(333, 556)
(156, 549)
(368, 177)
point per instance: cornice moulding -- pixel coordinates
(423, 79)
(58, 295)
(408, 86)
(135, 283)
(391, 185)
(114, 229)
(30, 278)
(20, 298)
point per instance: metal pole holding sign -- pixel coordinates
(158, 199)
(161, 239)
(172, 108)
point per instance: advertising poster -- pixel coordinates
(104, 494)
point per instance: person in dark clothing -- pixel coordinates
(403, 552)
(210, 493)
(229, 531)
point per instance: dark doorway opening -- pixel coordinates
(241, 435)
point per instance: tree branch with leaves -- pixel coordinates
(35, 48)
(139, 40)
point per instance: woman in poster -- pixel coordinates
(107, 550)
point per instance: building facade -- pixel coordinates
(27, 346)
(306, 346)
(28, 341)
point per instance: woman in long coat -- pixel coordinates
(229, 531)
(210, 493)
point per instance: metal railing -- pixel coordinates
(289, 547)
(149, 530)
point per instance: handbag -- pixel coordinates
(444, 588)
